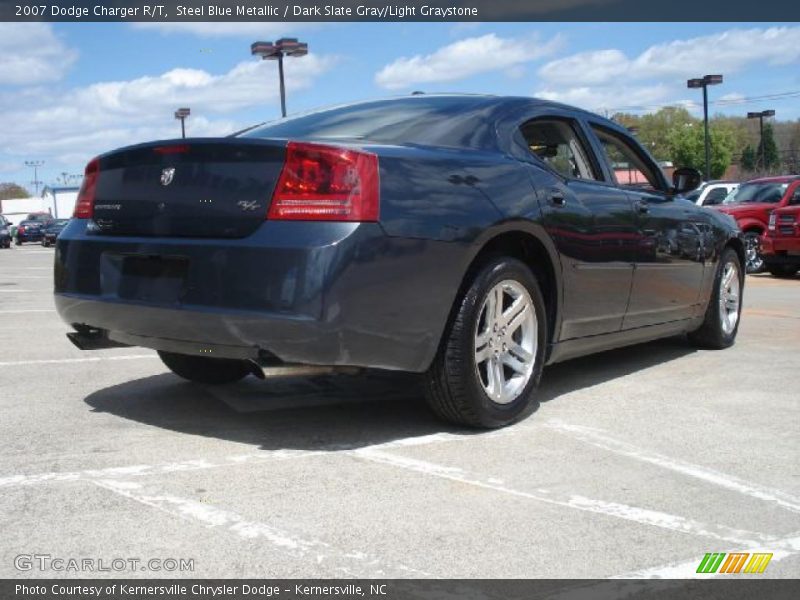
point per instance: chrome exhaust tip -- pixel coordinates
(280, 369)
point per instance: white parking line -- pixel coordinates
(215, 463)
(639, 515)
(596, 438)
(27, 310)
(348, 563)
(13, 277)
(57, 361)
(780, 549)
(162, 469)
(14, 291)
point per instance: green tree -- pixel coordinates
(748, 160)
(687, 147)
(12, 190)
(653, 130)
(768, 157)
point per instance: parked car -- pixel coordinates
(712, 193)
(780, 246)
(32, 228)
(472, 239)
(51, 231)
(751, 204)
(5, 232)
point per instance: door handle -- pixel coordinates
(557, 198)
(641, 206)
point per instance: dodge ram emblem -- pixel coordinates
(167, 175)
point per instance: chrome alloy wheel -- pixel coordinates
(729, 297)
(506, 341)
(752, 253)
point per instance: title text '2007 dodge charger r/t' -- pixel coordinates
(472, 239)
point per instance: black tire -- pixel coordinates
(711, 333)
(203, 369)
(453, 386)
(754, 262)
(783, 271)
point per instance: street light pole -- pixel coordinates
(704, 82)
(283, 47)
(283, 85)
(760, 116)
(35, 164)
(181, 114)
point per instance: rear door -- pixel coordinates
(670, 253)
(590, 222)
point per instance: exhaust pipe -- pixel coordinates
(279, 369)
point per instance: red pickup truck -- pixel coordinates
(780, 246)
(751, 204)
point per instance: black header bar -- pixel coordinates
(403, 10)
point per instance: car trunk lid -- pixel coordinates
(217, 187)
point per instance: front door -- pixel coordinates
(670, 250)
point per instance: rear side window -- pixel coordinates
(628, 166)
(558, 145)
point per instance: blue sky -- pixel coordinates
(70, 91)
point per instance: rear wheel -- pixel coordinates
(752, 252)
(783, 271)
(203, 369)
(491, 359)
(724, 309)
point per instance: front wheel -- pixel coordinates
(203, 369)
(490, 361)
(754, 262)
(783, 271)
(721, 322)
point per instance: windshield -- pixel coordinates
(757, 192)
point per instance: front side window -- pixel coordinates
(558, 145)
(628, 167)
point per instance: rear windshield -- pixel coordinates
(757, 192)
(434, 120)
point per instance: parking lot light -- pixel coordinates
(181, 114)
(704, 82)
(282, 47)
(760, 116)
(35, 164)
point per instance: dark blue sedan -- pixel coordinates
(471, 239)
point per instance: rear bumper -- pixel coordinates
(314, 293)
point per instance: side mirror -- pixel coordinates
(685, 180)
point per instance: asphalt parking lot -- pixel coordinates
(636, 463)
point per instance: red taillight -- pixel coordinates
(325, 183)
(84, 207)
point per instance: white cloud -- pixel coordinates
(725, 52)
(610, 79)
(463, 59)
(31, 53)
(67, 129)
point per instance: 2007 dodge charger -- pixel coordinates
(472, 239)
